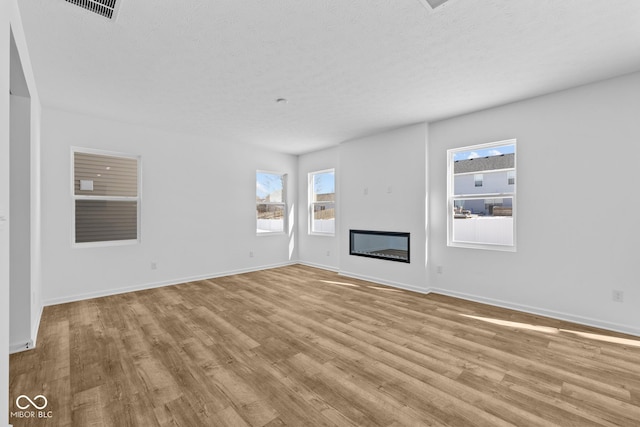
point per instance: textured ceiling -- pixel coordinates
(348, 68)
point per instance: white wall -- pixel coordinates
(25, 239)
(26, 282)
(317, 250)
(5, 21)
(10, 19)
(20, 230)
(36, 211)
(569, 258)
(382, 187)
(197, 213)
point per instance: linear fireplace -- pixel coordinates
(389, 245)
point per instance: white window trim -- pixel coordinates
(451, 197)
(311, 203)
(75, 197)
(284, 204)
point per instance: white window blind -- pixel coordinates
(106, 197)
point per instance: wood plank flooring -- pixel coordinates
(298, 346)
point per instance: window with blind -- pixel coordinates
(106, 197)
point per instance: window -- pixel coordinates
(271, 204)
(106, 198)
(322, 202)
(482, 196)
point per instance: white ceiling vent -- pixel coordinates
(106, 8)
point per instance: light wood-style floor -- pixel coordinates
(298, 346)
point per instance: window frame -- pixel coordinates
(311, 203)
(75, 197)
(284, 203)
(452, 198)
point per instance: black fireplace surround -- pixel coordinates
(388, 245)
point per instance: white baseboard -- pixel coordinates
(22, 346)
(586, 321)
(31, 344)
(320, 266)
(386, 282)
(36, 327)
(177, 281)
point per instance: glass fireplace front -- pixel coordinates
(389, 245)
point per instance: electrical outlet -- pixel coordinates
(328, 253)
(439, 269)
(154, 265)
(366, 191)
(617, 296)
(250, 254)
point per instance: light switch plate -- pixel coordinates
(86, 185)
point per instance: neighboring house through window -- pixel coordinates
(482, 195)
(106, 198)
(322, 202)
(271, 206)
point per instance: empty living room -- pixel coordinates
(319, 213)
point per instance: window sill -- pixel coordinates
(105, 244)
(482, 246)
(270, 233)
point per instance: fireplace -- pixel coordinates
(389, 245)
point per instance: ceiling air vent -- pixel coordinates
(106, 8)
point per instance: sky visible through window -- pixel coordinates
(267, 183)
(324, 183)
(492, 151)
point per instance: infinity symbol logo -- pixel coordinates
(33, 403)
